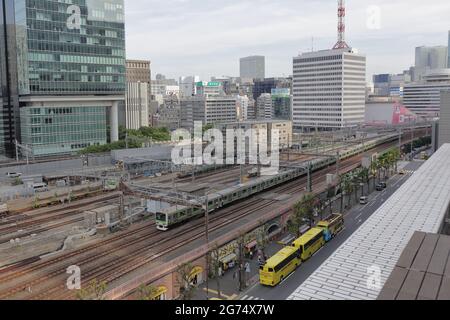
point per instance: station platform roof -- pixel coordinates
(420, 204)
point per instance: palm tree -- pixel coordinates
(364, 176)
(94, 291)
(302, 209)
(348, 188)
(147, 292)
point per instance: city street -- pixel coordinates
(354, 219)
(229, 282)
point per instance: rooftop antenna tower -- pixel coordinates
(341, 44)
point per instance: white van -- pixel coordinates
(13, 175)
(40, 187)
(363, 200)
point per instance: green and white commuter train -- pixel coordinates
(176, 215)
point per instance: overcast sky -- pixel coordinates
(207, 37)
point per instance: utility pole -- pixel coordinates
(338, 163)
(207, 244)
(241, 265)
(17, 151)
(309, 187)
(241, 174)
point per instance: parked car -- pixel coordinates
(13, 175)
(379, 187)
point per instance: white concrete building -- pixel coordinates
(329, 89)
(137, 105)
(264, 107)
(212, 88)
(424, 97)
(207, 109)
(242, 103)
(188, 86)
(172, 90)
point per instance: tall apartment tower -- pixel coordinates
(329, 90)
(138, 95)
(63, 73)
(253, 67)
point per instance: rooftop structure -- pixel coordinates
(423, 271)
(421, 204)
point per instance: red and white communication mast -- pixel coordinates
(341, 26)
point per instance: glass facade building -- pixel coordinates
(63, 129)
(281, 103)
(70, 48)
(9, 100)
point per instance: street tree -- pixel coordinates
(147, 293)
(184, 281)
(93, 291)
(216, 266)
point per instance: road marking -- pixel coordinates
(217, 293)
(251, 298)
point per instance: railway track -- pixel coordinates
(51, 273)
(132, 261)
(147, 242)
(37, 213)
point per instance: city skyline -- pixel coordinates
(208, 39)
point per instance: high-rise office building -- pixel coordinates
(264, 107)
(424, 97)
(329, 89)
(65, 72)
(281, 104)
(262, 86)
(138, 112)
(253, 67)
(188, 86)
(242, 103)
(137, 105)
(429, 58)
(208, 110)
(139, 71)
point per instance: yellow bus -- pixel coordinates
(280, 266)
(310, 243)
(332, 226)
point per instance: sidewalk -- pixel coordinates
(229, 282)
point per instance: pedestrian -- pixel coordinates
(251, 255)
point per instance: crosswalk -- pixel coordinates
(246, 297)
